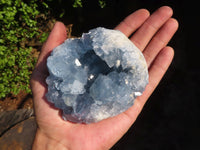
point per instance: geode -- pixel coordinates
(96, 76)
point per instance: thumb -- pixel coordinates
(57, 36)
(38, 85)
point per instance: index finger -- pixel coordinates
(133, 21)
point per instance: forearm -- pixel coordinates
(42, 142)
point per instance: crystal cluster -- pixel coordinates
(96, 76)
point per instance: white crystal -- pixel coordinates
(77, 62)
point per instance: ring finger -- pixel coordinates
(144, 34)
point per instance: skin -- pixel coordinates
(152, 33)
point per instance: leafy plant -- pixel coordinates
(78, 3)
(102, 3)
(19, 24)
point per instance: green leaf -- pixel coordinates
(62, 14)
(102, 3)
(44, 37)
(77, 3)
(45, 4)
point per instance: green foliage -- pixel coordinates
(78, 3)
(18, 24)
(102, 3)
(43, 37)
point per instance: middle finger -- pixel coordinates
(144, 34)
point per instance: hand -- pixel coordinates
(152, 33)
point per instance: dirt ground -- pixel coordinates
(21, 101)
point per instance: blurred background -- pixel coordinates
(170, 118)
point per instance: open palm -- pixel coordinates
(151, 35)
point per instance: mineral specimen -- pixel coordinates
(96, 76)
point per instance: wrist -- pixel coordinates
(43, 142)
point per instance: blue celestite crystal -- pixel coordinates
(96, 76)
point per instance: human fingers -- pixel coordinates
(160, 40)
(123, 121)
(144, 34)
(156, 72)
(132, 22)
